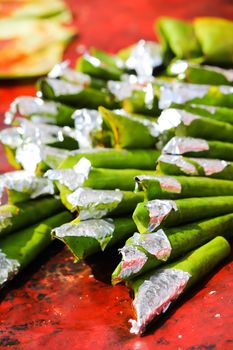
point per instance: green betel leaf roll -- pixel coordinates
(222, 114)
(178, 38)
(157, 290)
(200, 148)
(115, 158)
(95, 204)
(152, 215)
(200, 74)
(186, 93)
(83, 175)
(15, 217)
(22, 185)
(216, 38)
(75, 95)
(183, 123)
(28, 244)
(87, 237)
(137, 95)
(128, 131)
(174, 187)
(62, 71)
(145, 251)
(99, 67)
(178, 165)
(38, 110)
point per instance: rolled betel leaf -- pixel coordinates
(75, 95)
(39, 110)
(145, 251)
(178, 38)
(152, 215)
(15, 217)
(178, 165)
(83, 175)
(222, 114)
(28, 244)
(182, 93)
(62, 71)
(195, 147)
(95, 204)
(136, 95)
(174, 187)
(216, 38)
(99, 67)
(200, 74)
(84, 238)
(22, 185)
(115, 158)
(183, 123)
(157, 290)
(121, 125)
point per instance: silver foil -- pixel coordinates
(61, 87)
(99, 229)
(132, 262)
(86, 121)
(144, 56)
(62, 70)
(180, 93)
(120, 89)
(94, 204)
(72, 177)
(8, 268)
(155, 243)
(25, 106)
(167, 183)
(159, 209)
(182, 145)
(180, 162)
(226, 90)
(25, 182)
(172, 117)
(211, 166)
(11, 137)
(155, 295)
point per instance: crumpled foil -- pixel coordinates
(180, 162)
(132, 262)
(99, 229)
(155, 295)
(62, 70)
(181, 145)
(61, 87)
(8, 268)
(172, 117)
(167, 183)
(159, 209)
(211, 166)
(94, 204)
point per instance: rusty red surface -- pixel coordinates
(56, 304)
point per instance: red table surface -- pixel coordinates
(56, 304)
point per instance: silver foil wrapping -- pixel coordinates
(25, 182)
(86, 122)
(155, 295)
(181, 145)
(180, 162)
(72, 177)
(211, 166)
(155, 243)
(99, 229)
(62, 70)
(167, 183)
(25, 106)
(173, 117)
(5, 219)
(94, 204)
(8, 268)
(61, 87)
(159, 209)
(133, 260)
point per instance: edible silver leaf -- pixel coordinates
(180, 162)
(211, 166)
(132, 262)
(8, 268)
(181, 145)
(159, 209)
(155, 295)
